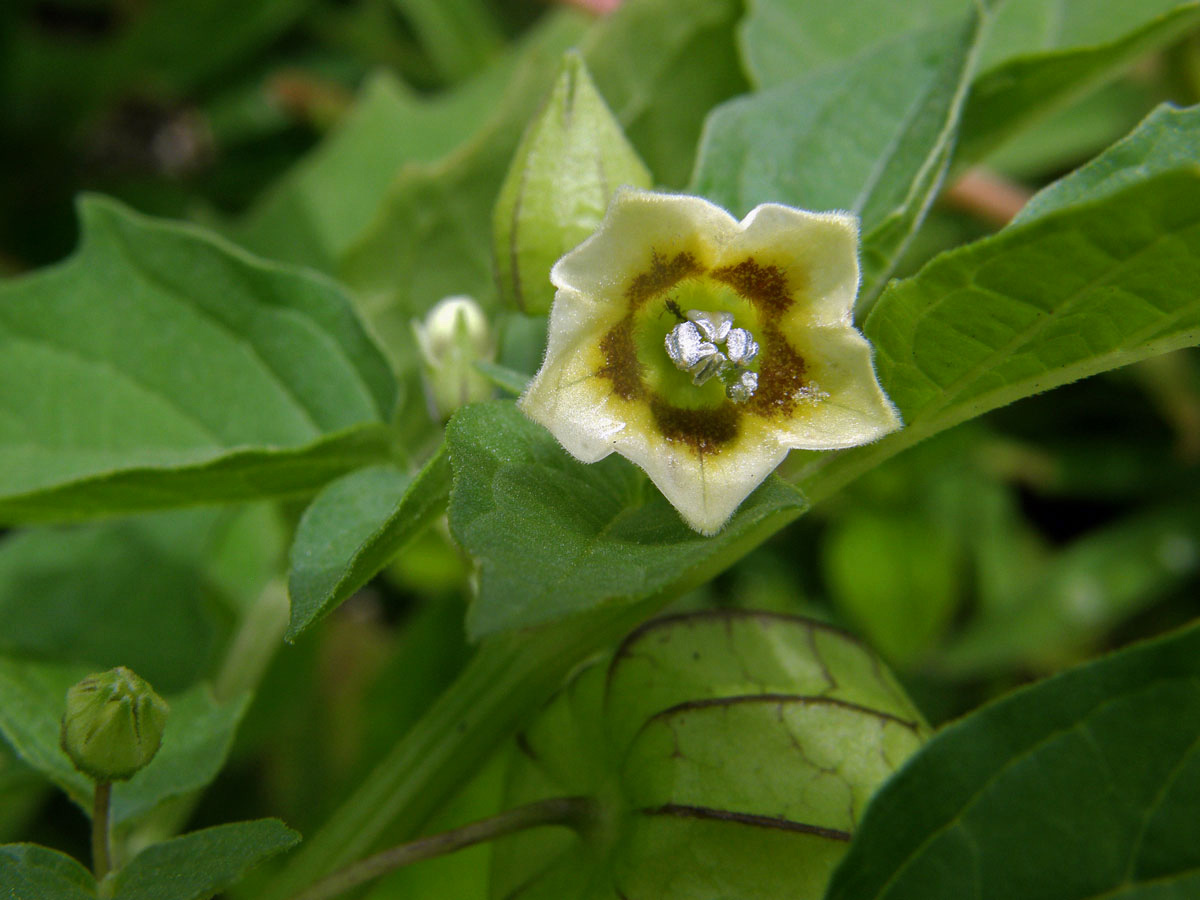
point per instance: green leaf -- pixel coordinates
(1068, 295)
(686, 64)
(460, 35)
(785, 39)
(1028, 27)
(872, 135)
(614, 537)
(108, 596)
(1036, 58)
(1164, 140)
(1064, 607)
(730, 754)
(1079, 131)
(1025, 88)
(1084, 785)
(895, 578)
(320, 208)
(508, 380)
(147, 593)
(352, 530)
(198, 736)
(1090, 287)
(32, 872)
(160, 367)
(198, 865)
(781, 38)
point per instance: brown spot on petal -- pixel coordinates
(704, 430)
(764, 286)
(621, 365)
(662, 275)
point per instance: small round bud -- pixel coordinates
(454, 336)
(113, 725)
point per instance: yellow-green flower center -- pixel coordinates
(694, 346)
(698, 394)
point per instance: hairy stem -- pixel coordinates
(573, 812)
(100, 856)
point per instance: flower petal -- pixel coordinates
(566, 395)
(705, 489)
(638, 226)
(848, 407)
(817, 253)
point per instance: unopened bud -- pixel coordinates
(113, 725)
(454, 336)
(571, 160)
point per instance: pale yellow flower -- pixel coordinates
(703, 349)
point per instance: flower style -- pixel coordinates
(703, 349)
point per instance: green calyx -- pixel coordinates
(571, 160)
(113, 725)
(731, 750)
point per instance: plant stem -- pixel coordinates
(258, 638)
(505, 682)
(100, 855)
(574, 812)
(987, 196)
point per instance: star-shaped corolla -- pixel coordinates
(703, 349)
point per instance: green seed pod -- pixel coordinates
(730, 754)
(113, 725)
(454, 336)
(571, 160)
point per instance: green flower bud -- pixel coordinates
(572, 159)
(113, 725)
(454, 336)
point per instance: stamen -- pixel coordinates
(714, 326)
(691, 353)
(743, 388)
(740, 347)
(693, 348)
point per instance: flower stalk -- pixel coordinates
(101, 855)
(573, 812)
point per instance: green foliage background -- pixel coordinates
(213, 432)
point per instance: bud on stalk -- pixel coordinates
(114, 725)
